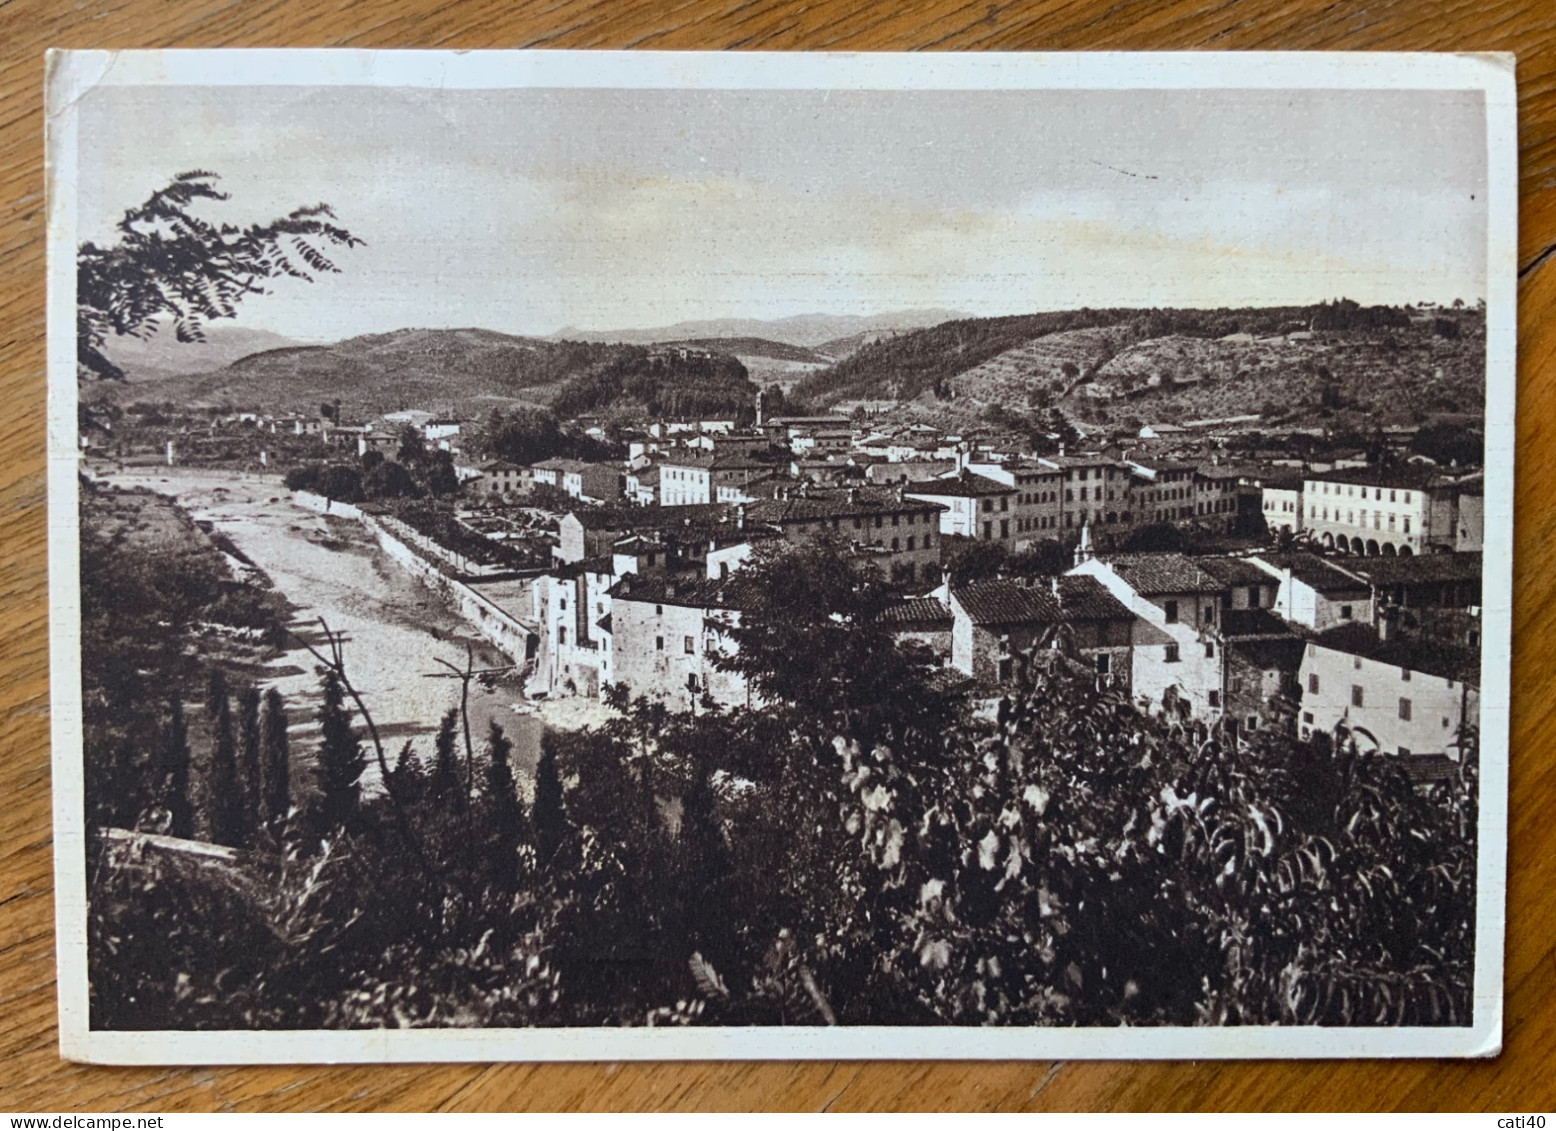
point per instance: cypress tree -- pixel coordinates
(276, 786)
(445, 785)
(215, 693)
(341, 758)
(250, 772)
(224, 796)
(547, 817)
(405, 776)
(504, 816)
(174, 767)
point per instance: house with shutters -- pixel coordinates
(1405, 696)
(1176, 655)
(1317, 593)
(997, 625)
(668, 635)
(973, 505)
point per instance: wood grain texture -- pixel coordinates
(34, 1078)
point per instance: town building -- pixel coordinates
(997, 625)
(1280, 501)
(972, 505)
(925, 622)
(1176, 660)
(1096, 492)
(1163, 491)
(1037, 507)
(500, 478)
(1369, 511)
(691, 478)
(669, 634)
(587, 482)
(1316, 593)
(1406, 697)
(900, 533)
(570, 607)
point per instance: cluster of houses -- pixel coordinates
(1368, 618)
(1296, 641)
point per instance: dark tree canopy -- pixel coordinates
(171, 265)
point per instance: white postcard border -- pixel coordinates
(71, 74)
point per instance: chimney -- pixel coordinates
(1053, 587)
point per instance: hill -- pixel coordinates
(163, 355)
(466, 372)
(767, 362)
(1298, 364)
(809, 330)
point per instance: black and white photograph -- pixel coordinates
(582, 556)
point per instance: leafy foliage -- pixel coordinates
(171, 264)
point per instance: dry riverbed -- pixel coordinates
(396, 629)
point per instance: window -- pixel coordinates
(690, 646)
(659, 643)
(911, 540)
(1312, 683)
(1253, 596)
(1215, 698)
(1237, 683)
(1210, 650)
(659, 610)
(1307, 717)
(1356, 695)
(1404, 674)
(561, 635)
(1404, 710)
(988, 506)
(1171, 609)
(1170, 654)
(1253, 722)
(1104, 663)
(691, 682)
(1345, 612)
(563, 602)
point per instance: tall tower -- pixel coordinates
(761, 407)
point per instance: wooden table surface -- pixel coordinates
(35, 1079)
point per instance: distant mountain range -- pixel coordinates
(163, 355)
(810, 330)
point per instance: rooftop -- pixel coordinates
(1408, 476)
(702, 593)
(1254, 624)
(1317, 573)
(1431, 657)
(963, 485)
(916, 612)
(1155, 574)
(1418, 568)
(1234, 571)
(1039, 601)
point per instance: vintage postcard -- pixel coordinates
(588, 555)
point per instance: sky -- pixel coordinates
(527, 211)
